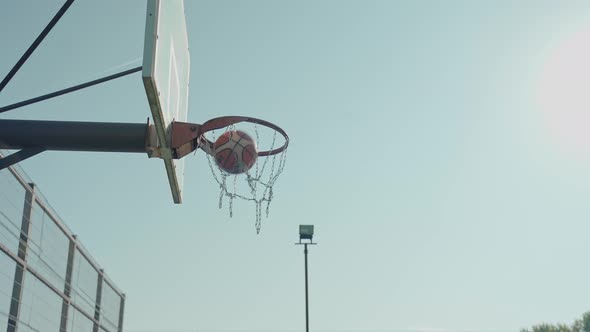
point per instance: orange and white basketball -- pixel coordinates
(235, 152)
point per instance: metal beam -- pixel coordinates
(73, 136)
(19, 156)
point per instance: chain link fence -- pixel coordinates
(48, 280)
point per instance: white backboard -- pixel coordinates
(166, 70)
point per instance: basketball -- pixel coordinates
(235, 152)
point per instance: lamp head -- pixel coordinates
(305, 232)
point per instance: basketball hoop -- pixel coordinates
(259, 179)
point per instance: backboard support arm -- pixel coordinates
(68, 90)
(19, 156)
(32, 137)
(35, 43)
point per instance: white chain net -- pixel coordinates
(259, 180)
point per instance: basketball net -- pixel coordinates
(259, 180)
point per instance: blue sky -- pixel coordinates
(440, 148)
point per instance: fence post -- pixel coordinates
(19, 274)
(98, 300)
(65, 306)
(121, 312)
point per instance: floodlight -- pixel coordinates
(305, 232)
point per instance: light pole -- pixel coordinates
(306, 233)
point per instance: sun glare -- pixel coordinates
(564, 91)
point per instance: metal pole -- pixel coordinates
(73, 136)
(306, 293)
